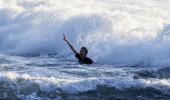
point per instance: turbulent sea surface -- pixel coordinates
(36, 78)
(127, 39)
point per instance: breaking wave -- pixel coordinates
(115, 32)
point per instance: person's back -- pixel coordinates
(82, 55)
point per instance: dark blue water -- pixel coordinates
(45, 77)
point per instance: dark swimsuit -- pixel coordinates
(86, 60)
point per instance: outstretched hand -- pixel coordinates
(64, 38)
(71, 47)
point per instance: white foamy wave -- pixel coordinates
(28, 85)
(115, 32)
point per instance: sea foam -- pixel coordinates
(115, 32)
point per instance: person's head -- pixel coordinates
(83, 51)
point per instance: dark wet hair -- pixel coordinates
(85, 49)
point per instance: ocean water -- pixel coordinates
(127, 39)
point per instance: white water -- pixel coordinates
(29, 77)
(120, 33)
(115, 31)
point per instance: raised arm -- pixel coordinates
(69, 44)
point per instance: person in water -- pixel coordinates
(82, 56)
